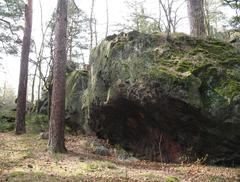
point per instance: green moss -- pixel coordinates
(216, 179)
(198, 50)
(116, 48)
(18, 174)
(99, 166)
(163, 74)
(172, 179)
(126, 70)
(231, 62)
(184, 66)
(73, 85)
(234, 73)
(6, 127)
(229, 89)
(36, 123)
(7, 115)
(192, 85)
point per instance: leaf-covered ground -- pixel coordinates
(25, 158)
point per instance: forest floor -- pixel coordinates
(25, 158)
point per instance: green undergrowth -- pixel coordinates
(36, 123)
(172, 179)
(7, 120)
(94, 166)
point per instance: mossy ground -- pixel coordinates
(25, 158)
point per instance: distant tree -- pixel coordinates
(171, 10)
(214, 18)
(140, 20)
(23, 78)
(40, 57)
(167, 20)
(77, 33)
(107, 15)
(196, 17)
(56, 127)
(11, 19)
(92, 21)
(234, 4)
(7, 96)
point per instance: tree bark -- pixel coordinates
(23, 78)
(107, 15)
(196, 18)
(91, 24)
(56, 128)
(33, 88)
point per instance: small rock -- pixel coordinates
(44, 135)
(30, 166)
(101, 150)
(132, 159)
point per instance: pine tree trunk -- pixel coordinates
(107, 15)
(56, 128)
(49, 101)
(91, 24)
(22, 88)
(196, 18)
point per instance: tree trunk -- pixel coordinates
(33, 87)
(56, 128)
(91, 24)
(22, 87)
(107, 15)
(50, 77)
(196, 18)
(95, 32)
(49, 100)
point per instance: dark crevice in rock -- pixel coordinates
(165, 131)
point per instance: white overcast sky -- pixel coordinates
(118, 11)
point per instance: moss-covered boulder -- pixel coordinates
(76, 83)
(166, 99)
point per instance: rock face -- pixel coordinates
(167, 100)
(76, 83)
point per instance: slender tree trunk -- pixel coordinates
(91, 24)
(159, 16)
(207, 17)
(107, 15)
(22, 88)
(70, 44)
(196, 18)
(56, 128)
(5, 89)
(95, 32)
(49, 101)
(33, 85)
(38, 92)
(50, 75)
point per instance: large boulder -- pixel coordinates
(166, 99)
